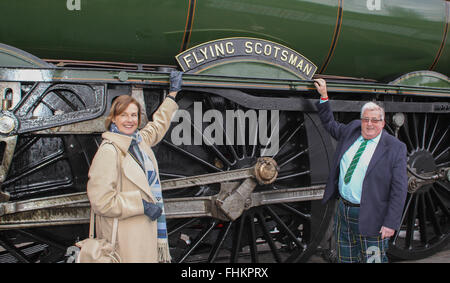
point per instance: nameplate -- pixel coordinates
(241, 49)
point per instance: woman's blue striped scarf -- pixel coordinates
(155, 186)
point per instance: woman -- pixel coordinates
(125, 157)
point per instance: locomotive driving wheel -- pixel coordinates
(281, 231)
(45, 165)
(425, 227)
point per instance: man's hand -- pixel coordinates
(321, 86)
(386, 232)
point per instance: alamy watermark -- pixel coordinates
(73, 5)
(374, 5)
(236, 128)
(373, 254)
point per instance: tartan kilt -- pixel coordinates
(351, 246)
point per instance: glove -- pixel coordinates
(152, 210)
(175, 81)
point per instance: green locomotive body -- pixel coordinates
(373, 39)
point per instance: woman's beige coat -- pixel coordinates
(137, 234)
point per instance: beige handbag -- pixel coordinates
(94, 250)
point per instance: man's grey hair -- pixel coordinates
(372, 106)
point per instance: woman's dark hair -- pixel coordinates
(119, 105)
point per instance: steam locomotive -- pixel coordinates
(244, 163)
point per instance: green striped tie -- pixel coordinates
(351, 169)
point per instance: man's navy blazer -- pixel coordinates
(386, 182)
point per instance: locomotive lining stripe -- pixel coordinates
(188, 27)
(27, 59)
(444, 36)
(337, 32)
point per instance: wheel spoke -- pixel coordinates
(408, 139)
(424, 130)
(228, 142)
(252, 238)
(432, 215)
(433, 133)
(444, 164)
(224, 232)
(411, 223)
(422, 220)
(442, 153)
(179, 226)
(36, 166)
(210, 144)
(288, 139)
(25, 97)
(302, 215)
(293, 175)
(439, 142)
(268, 237)
(198, 240)
(254, 143)
(237, 239)
(290, 159)
(440, 203)
(25, 146)
(190, 155)
(409, 198)
(284, 227)
(416, 134)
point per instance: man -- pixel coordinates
(368, 175)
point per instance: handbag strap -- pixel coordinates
(116, 220)
(92, 229)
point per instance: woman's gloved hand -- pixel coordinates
(152, 210)
(175, 81)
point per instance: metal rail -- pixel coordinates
(74, 208)
(74, 75)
